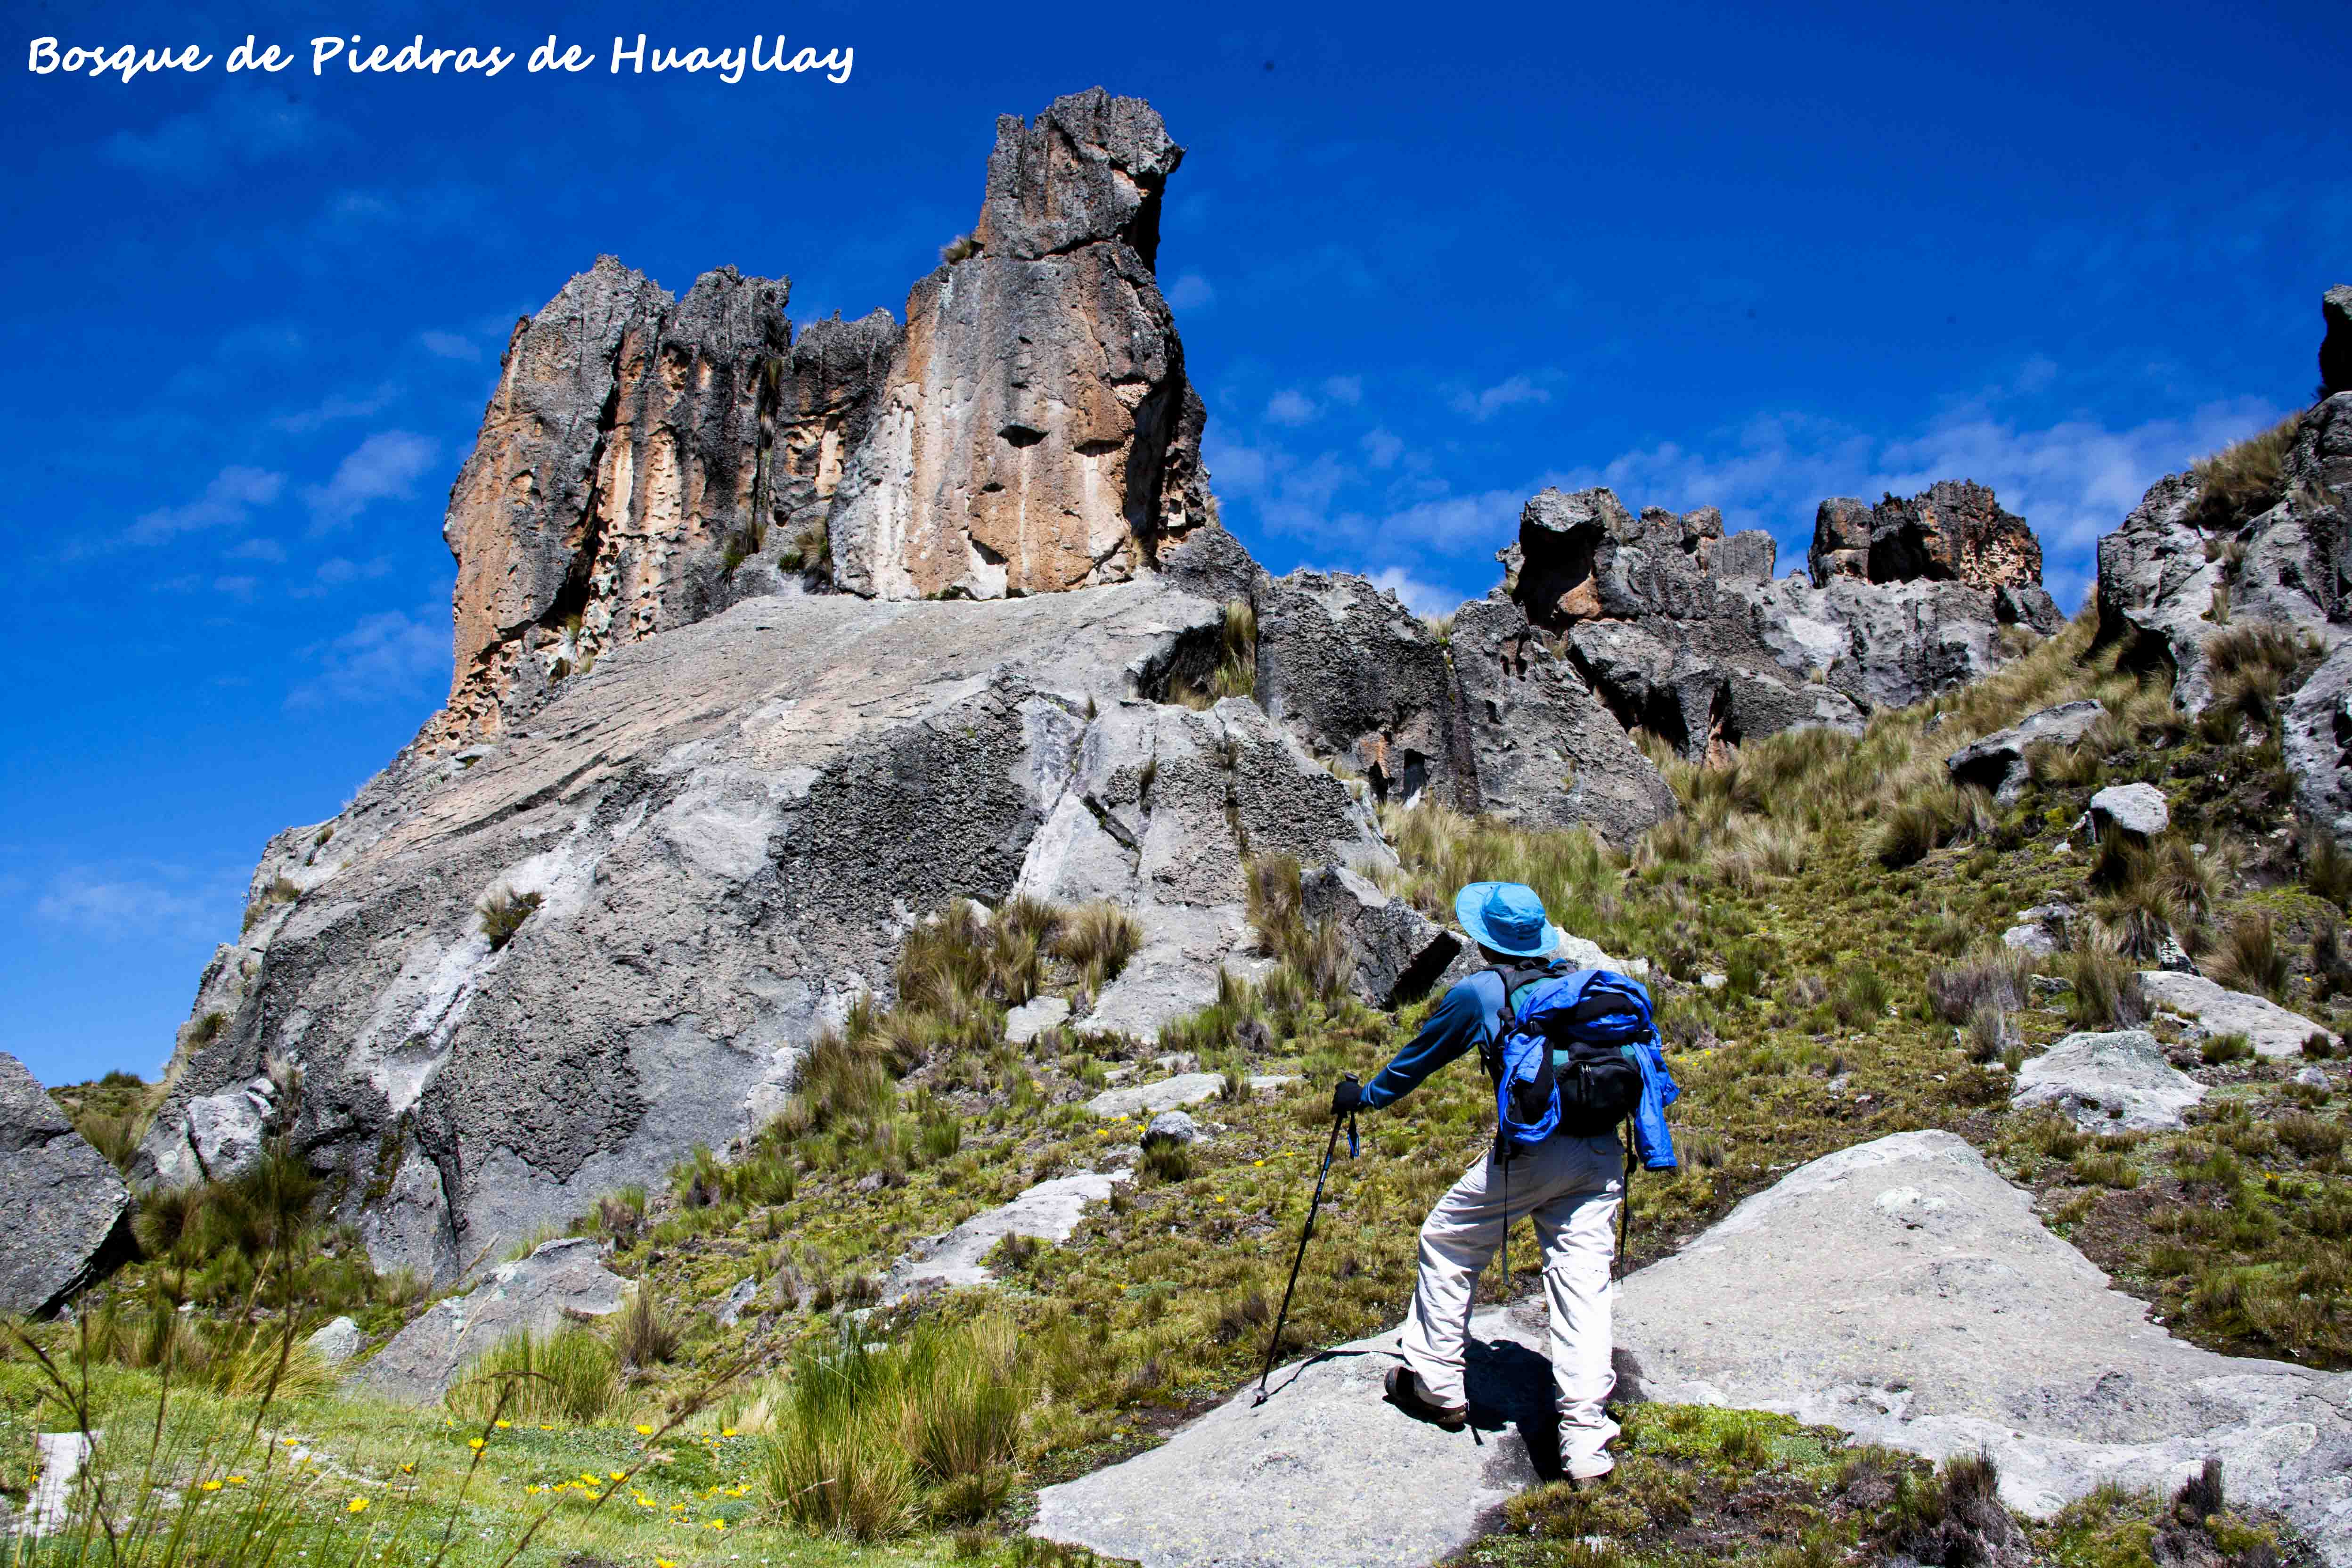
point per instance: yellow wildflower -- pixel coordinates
(473, 1442)
(616, 1474)
(644, 1429)
(237, 1480)
(504, 1424)
(212, 1486)
(357, 1505)
(727, 1432)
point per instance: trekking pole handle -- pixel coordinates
(1353, 1147)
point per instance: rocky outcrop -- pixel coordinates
(555, 1286)
(1686, 635)
(1998, 762)
(1902, 1290)
(2169, 588)
(647, 461)
(2210, 1009)
(1325, 1471)
(1050, 1210)
(2336, 344)
(63, 1211)
(730, 828)
(1955, 531)
(1037, 432)
(211, 1137)
(1546, 753)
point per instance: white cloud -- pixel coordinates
(1191, 291)
(226, 502)
(338, 408)
(1290, 406)
(241, 589)
(1347, 389)
(387, 657)
(1381, 448)
(256, 549)
(116, 904)
(1422, 598)
(451, 345)
(337, 571)
(1485, 405)
(385, 466)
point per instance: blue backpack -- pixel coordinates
(1564, 1059)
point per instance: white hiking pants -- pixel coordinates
(1572, 1187)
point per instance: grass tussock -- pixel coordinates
(569, 1376)
(1235, 674)
(871, 1442)
(503, 911)
(2245, 480)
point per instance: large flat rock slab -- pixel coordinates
(1049, 1211)
(1326, 1472)
(2214, 1009)
(1149, 1098)
(1903, 1291)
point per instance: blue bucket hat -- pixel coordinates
(1507, 917)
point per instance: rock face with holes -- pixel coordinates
(1902, 1290)
(63, 1211)
(1686, 634)
(730, 827)
(1363, 681)
(1036, 430)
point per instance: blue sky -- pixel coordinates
(1424, 261)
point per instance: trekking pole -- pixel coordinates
(1274, 1344)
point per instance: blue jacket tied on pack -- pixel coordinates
(1469, 1018)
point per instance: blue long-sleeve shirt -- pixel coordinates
(1469, 1016)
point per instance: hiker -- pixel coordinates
(1568, 1174)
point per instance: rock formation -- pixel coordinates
(647, 461)
(1036, 431)
(2336, 345)
(1953, 531)
(63, 1211)
(1686, 634)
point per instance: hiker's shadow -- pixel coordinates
(1510, 1389)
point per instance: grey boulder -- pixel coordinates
(1034, 1018)
(1901, 1290)
(730, 828)
(336, 1342)
(2136, 809)
(63, 1210)
(560, 1283)
(2317, 742)
(2211, 1009)
(1171, 1126)
(211, 1138)
(2118, 1082)
(1997, 763)
(1398, 952)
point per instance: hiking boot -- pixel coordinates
(1591, 1467)
(1409, 1395)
